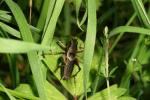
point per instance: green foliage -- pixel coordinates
(114, 63)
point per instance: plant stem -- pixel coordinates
(106, 60)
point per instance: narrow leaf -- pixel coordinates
(51, 25)
(10, 30)
(89, 42)
(130, 29)
(32, 56)
(9, 95)
(16, 46)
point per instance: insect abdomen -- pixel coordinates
(68, 70)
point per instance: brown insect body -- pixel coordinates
(70, 59)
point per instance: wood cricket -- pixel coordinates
(69, 59)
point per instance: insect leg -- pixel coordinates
(60, 64)
(62, 46)
(79, 68)
(80, 51)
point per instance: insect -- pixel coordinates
(69, 59)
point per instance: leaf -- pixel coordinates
(25, 89)
(89, 41)
(5, 17)
(19, 94)
(130, 29)
(126, 98)
(53, 93)
(74, 85)
(10, 30)
(49, 13)
(103, 95)
(43, 14)
(112, 71)
(9, 95)
(139, 8)
(48, 35)
(78, 4)
(32, 56)
(4, 12)
(16, 46)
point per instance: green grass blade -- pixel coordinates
(20, 95)
(4, 12)
(140, 10)
(121, 34)
(49, 13)
(52, 23)
(130, 29)
(5, 17)
(10, 30)
(78, 5)
(125, 81)
(67, 19)
(5, 90)
(43, 14)
(9, 19)
(13, 70)
(32, 56)
(89, 42)
(17, 46)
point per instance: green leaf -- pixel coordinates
(32, 56)
(112, 71)
(5, 17)
(19, 94)
(25, 89)
(4, 12)
(103, 95)
(130, 29)
(78, 4)
(43, 14)
(16, 46)
(140, 10)
(126, 98)
(48, 35)
(53, 93)
(5, 90)
(10, 30)
(74, 85)
(49, 13)
(121, 34)
(90, 41)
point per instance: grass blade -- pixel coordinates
(19, 46)
(10, 30)
(19, 95)
(52, 23)
(89, 42)
(121, 34)
(78, 4)
(49, 13)
(140, 10)
(5, 90)
(43, 15)
(32, 56)
(130, 29)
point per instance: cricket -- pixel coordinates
(69, 60)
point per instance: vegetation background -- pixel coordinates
(115, 63)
